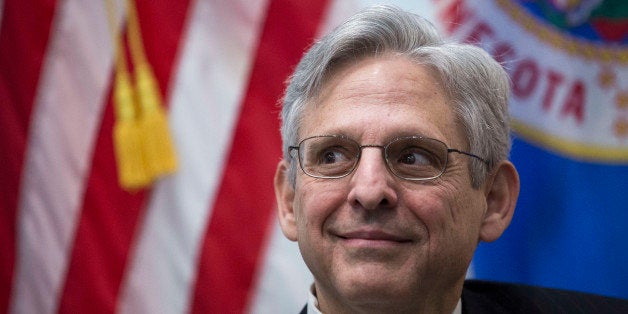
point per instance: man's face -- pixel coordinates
(371, 236)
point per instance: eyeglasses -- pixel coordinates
(412, 158)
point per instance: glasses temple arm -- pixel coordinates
(449, 150)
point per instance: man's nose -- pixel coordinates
(372, 185)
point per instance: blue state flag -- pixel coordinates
(568, 63)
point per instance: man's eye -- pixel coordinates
(414, 158)
(332, 156)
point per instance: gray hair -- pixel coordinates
(477, 85)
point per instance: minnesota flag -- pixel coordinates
(568, 64)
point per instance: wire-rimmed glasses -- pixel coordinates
(414, 158)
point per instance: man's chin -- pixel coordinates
(375, 285)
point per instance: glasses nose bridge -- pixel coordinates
(381, 147)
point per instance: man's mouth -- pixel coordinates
(373, 238)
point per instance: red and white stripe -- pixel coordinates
(201, 240)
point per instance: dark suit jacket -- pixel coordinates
(492, 297)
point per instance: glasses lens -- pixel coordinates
(328, 156)
(417, 158)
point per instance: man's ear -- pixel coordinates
(284, 193)
(501, 191)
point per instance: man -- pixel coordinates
(395, 167)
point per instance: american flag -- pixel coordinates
(203, 239)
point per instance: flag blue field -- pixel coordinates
(569, 229)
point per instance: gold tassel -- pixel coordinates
(157, 143)
(132, 173)
(158, 147)
(142, 143)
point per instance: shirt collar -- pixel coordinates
(312, 303)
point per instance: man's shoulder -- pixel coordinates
(493, 297)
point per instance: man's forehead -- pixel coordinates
(384, 84)
(383, 75)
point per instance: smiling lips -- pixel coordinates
(375, 238)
